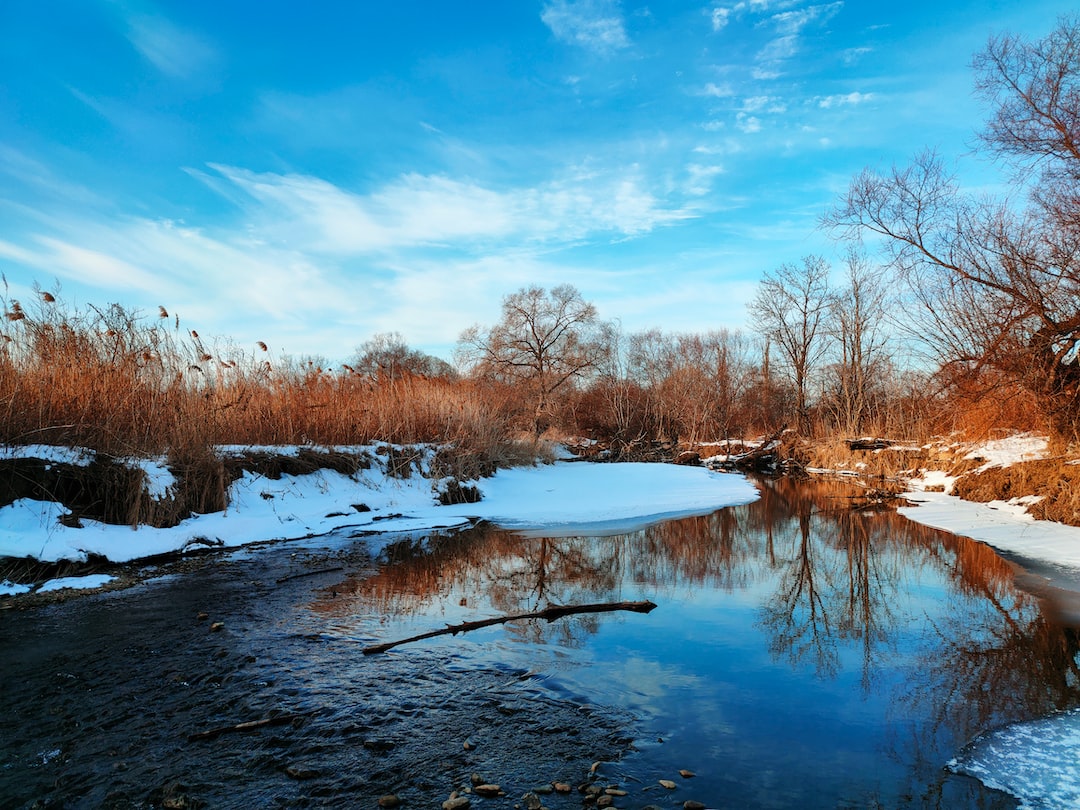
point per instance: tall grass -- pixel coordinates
(127, 384)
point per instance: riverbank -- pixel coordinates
(282, 494)
(381, 498)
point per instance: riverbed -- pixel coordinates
(810, 649)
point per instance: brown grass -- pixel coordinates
(129, 386)
(124, 385)
(1054, 480)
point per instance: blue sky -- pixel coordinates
(309, 175)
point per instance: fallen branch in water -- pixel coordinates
(549, 613)
(250, 725)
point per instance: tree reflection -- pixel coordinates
(838, 578)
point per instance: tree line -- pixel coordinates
(966, 313)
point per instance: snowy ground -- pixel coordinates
(554, 498)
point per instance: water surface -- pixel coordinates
(808, 650)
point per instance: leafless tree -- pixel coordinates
(857, 326)
(997, 280)
(544, 340)
(790, 310)
(387, 355)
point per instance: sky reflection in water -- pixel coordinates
(807, 650)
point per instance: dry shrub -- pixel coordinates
(1055, 481)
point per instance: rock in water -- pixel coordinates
(389, 801)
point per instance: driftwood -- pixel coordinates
(764, 458)
(549, 613)
(870, 443)
(250, 725)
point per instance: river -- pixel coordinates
(808, 650)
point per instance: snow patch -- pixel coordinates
(563, 497)
(1034, 761)
(1010, 450)
(78, 583)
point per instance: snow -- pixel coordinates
(1009, 450)
(557, 498)
(91, 581)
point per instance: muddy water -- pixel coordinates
(807, 651)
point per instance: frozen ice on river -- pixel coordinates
(1038, 762)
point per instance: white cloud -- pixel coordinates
(763, 104)
(793, 22)
(852, 55)
(828, 102)
(720, 18)
(593, 24)
(748, 123)
(422, 210)
(714, 90)
(173, 50)
(761, 74)
(701, 178)
(779, 49)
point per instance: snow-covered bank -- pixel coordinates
(559, 497)
(1005, 526)
(1034, 761)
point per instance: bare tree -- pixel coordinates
(790, 310)
(388, 355)
(857, 324)
(544, 340)
(999, 281)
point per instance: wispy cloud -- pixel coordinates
(417, 210)
(713, 90)
(593, 24)
(748, 123)
(720, 17)
(846, 99)
(793, 22)
(851, 56)
(700, 180)
(175, 51)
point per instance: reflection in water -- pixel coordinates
(871, 637)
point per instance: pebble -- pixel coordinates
(389, 801)
(488, 790)
(300, 772)
(544, 790)
(217, 626)
(605, 801)
(685, 774)
(476, 779)
(690, 804)
(616, 792)
(531, 801)
(561, 787)
(469, 745)
(456, 803)
(667, 783)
